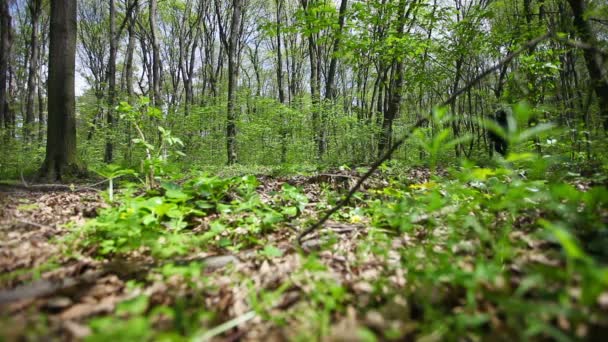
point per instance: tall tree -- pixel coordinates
(279, 4)
(42, 74)
(35, 9)
(395, 89)
(111, 79)
(5, 47)
(156, 76)
(315, 76)
(61, 157)
(127, 78)
(231, 42)
(330, 84)
(593, 60)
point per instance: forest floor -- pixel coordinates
(56, 283)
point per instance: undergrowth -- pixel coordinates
(469, 252)
(507, 249)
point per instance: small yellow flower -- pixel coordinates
(355, 219)
(423, 186)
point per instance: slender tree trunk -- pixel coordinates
(315, 92)
(41, 120)
(279, 4)
(5, 48)
(593, 60)
(127, 79)
(394, 95)
(61, 157)
(188, 68)
(42, 82)
(35, 8)
(533, 89)
(233, 69)
(330, 85)
(156, 76)
(111, 78)
(231, 41)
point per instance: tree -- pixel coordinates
(127, 78)
(111, 79)
(330, 91)
(61, 157)
(279, 4)
(156, 72)
(593, 60)
(231, 43)
(315, 77)
(92, 52)
(394, 93)
(35, 9)
(5, 47)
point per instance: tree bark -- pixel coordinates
(61, 157)
(231, 44)
(395, 89)
(315, 87)
(233, 70)
(35, 8)
(111, 79)
(283, 133)
(156, 76)
(593, 61)
(330, 85)
(127, 84)
(5, 48)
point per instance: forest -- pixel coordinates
(303, 170)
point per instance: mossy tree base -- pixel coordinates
(54, 171)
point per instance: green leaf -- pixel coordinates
(271, 251)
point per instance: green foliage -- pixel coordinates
(162, 220)
(467, 251)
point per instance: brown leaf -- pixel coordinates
(84, 310)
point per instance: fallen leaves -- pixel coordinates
(365, 267)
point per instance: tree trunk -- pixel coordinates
(231, 42)
(330, 85)
(315, 90)
(42, 82)
(5, 48)
(111, 79)
(233, 70)
(593, 61)
(61, 157)
(127, 80)
(156, 95)
(394, 95)
(283, 133)
(35, 8)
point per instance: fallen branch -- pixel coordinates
(422, 121)
(34, 224)
(244, 318)
(222, 328)
(53, 187)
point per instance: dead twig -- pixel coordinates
(54, 187)
(38, 225)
